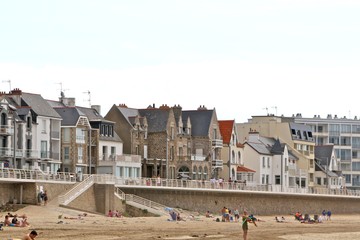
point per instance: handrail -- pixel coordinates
(76, 190)
(35, 175)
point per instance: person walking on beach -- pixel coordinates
(31, 236)
(45, 197)
(245, 220)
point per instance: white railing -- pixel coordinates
(76, 191)
(34, 175)
(248, 186)
(141, 201)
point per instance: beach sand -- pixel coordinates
(45, 219)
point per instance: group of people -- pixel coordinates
(114, 213)
(13, 220)
(42, 198)
(227, 215)
(306, 218)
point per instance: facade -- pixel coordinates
(327, 170)
(298, 138)
(271, 161)
(171, 142)
(344, 134)
(231, 152)
(35, 132)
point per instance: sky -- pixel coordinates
(243, 58)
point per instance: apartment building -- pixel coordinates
(298, 138)
(33, 141)
(344, 134)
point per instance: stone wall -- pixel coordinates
(255, 202)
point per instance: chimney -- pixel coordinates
(253, 136)
(329, 116)
(69, 102)
(97, 108)
(335, 116)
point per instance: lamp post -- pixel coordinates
(90, 150)
(167, 158)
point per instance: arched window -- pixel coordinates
(194, 172)
(233, 160)
(239, 158)
(200, 173)
(206, 177)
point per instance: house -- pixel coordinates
(328, 174)
(270, 161)
(231, 152)
(206, 143)
(36, 132)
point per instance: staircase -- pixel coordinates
(142, 203)
(76, 191)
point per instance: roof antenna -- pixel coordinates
(267, 110)
(8, 81)
(89, 99)
(275, 107)
(62, 95)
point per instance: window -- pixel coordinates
(80, 135)
(356, 128)
(172, 133)
(43, 130)
(345, 141)
(277, 180)
(345, 154)
(66, 153)
(263, 162)
(80, 155)
(325, 181)
(334, 140)
(145, 151)
(356, 142)
(267, 178)
(356, 166)
(66, 135)
(28, 122)
(262, 178)
(334, 129)
(346, 128)
(172, 152)
(268, 162)
(318, 180)
(347, 178)
(44, 149)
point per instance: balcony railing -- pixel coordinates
(198, 157)
(120, 158)
(6, 130)
(217, 143)
(217, 163)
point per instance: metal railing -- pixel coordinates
(35, 175)
(76, 191)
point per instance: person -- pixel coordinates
(7, 221)
(236, 215)
(328, 215)
(32, 235)
(45, 197)
(40, 198)
(208, 214)
(245, 226)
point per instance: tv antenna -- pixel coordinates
(8, 81)
(89, 97)
(275, 107)
(61, 89)
(267, 110)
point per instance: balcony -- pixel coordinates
(6, 130)
(217, 143)
(198, 157)
(216, 163)
(125, 158)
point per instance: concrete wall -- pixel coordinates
(256, 203)
(26, 193)
(99, 198)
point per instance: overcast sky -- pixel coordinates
(239, 57)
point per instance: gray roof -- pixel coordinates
(200, 121)
(323, 154)
(157, 119)
(70, 115)
(115, 138)
(39, 105)
(92, 114)
(301, 128)
(262, 145)
(128, 112)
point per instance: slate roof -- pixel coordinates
(70, 115)
(92, 114)
(323, 154)
(128, 113)
(39, 105)
(200, 121)
(226, 128)
(156, 118)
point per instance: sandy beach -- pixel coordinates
(45, 219)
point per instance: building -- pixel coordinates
(231, 152)
(344, 134)
(35, 131)
(298, 138)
